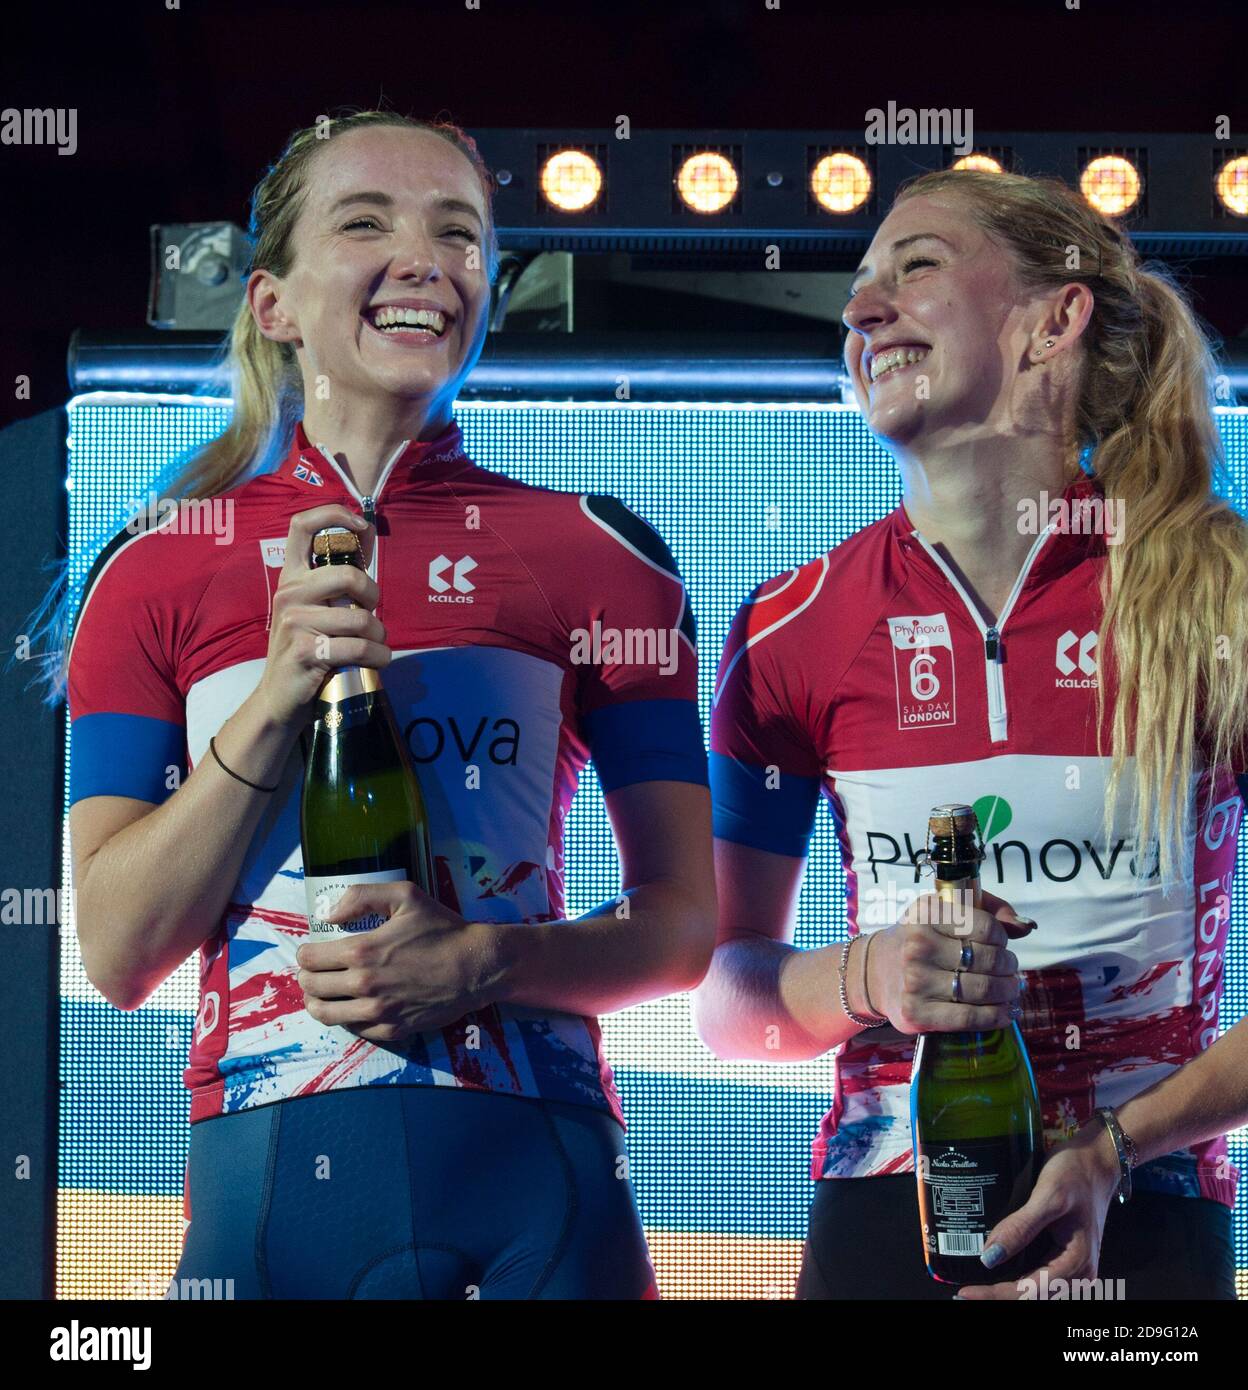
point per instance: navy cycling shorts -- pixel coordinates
(417, 1192)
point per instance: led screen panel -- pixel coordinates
(719, 1151)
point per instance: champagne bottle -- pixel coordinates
(975, 1120)
(362, 816)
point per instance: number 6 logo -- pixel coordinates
(924, 684)
(923, 669)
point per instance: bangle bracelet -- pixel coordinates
(857, 1018)
(1124, 1146)
(212, 744)
(866, 979)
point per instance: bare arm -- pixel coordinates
(1203, 1099)
(762, 998)
(765, 1000)
(153, 880)
(654, 939)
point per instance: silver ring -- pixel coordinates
(956, 987)
(968, 955)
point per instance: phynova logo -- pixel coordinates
(1055, 861)
(923, 669)
(459, 581)
(499, 743)
(1084, 661)
(273, 556)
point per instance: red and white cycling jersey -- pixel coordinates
(870, 675)
(531, 630)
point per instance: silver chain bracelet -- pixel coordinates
(857, 1018)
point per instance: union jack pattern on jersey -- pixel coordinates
(870, 675)
(500, 707)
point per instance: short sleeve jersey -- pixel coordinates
(870, 676)
(532, 630)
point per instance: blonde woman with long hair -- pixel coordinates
(419, 1110)
(1050, 627)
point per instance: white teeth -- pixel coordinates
(391, 318)
(895, 358)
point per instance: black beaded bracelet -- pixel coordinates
(212, 744)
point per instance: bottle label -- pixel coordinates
(324, 890)
(966, 1188)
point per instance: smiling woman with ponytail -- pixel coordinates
(1175, 588)
(260, 374)
(444, 1066)
(1176, 584)
(1009, 347)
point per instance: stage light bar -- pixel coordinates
(1111, 183)
(707, 182)
(571, 180)
(727, 196)
(841, 182)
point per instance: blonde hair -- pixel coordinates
(1175, 586)
(261, 376)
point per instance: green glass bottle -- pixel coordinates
(362, 817)
(975, 1119)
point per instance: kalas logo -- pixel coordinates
(462, 585)
(1086, 661)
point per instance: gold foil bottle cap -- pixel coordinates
(955, 818)
(335, 540)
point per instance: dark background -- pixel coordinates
(179, 111)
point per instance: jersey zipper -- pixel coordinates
(368, 503)
(993, 645)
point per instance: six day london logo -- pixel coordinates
(923, 666)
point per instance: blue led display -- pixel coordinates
(720, 1151)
